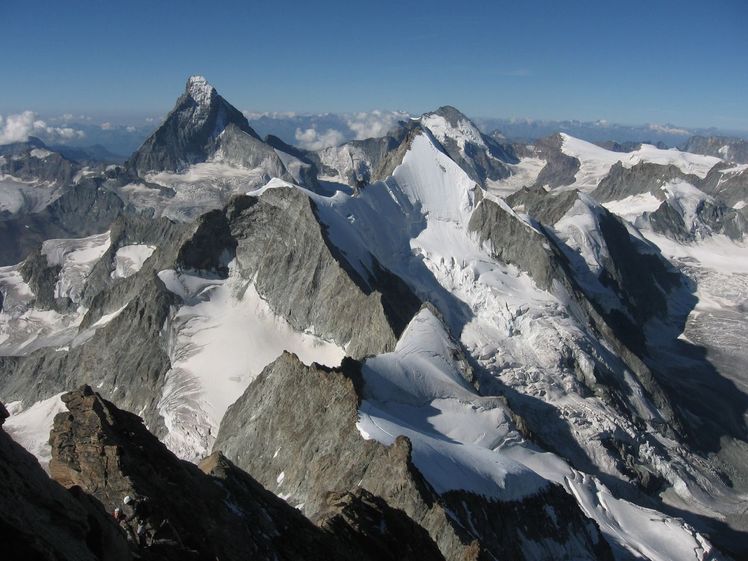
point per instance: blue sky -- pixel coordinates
(630, 61)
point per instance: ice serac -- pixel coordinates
(190, 130)
(309, 281)
(39, 519)
(215, 510)
(301, 440)
(515, 242)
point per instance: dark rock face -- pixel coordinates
(131, 370)
(306, 279)
(367, 523)
(40, 520)
(481, 163)
(544, 259)
(41, 278)
(623, 182)
(84, 209)
(189, 131)
(214, 510)
(295, 430)
(536, 202)
(728, 186)
(32, 161)
(711, 217)
(727, 148)
(559, 169)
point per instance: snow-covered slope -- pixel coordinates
(218, 341)
(519, 334)
(595, 162)
(534, 364)
(462, 440)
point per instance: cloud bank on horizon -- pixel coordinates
(20, 126)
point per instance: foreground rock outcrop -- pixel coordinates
(215, 510)
(41, 520)
(295, 430)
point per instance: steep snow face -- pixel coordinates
(633, 206)
(418, 391)
(129, 259)
(523, 174)
(218, 341)
(30, 426)
(434, 183)
(462, 132)
(595, 162)
(77, 258)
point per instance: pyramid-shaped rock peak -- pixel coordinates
(199, 89)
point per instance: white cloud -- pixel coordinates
(313, 140)
(130, 128)
(106, 126)
(18, 127)
(373, 124)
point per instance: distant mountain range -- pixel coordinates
(431, 343)
(325, 129)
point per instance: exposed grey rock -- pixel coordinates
(86, 208)
(725, 147)
(307, 280)
(40, 520)
(542, 206)
(214, 510)
(41, 278)
(728, 186)
(542, 257)
(130, 368)
(360, 162)
(559, 169)
(711, 217)
(34, 161)
(188, 133)
(301, 421)
(234, 146)
(644, 177)
(479, 162)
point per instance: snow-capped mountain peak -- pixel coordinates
(199, 89)
(448, 122)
